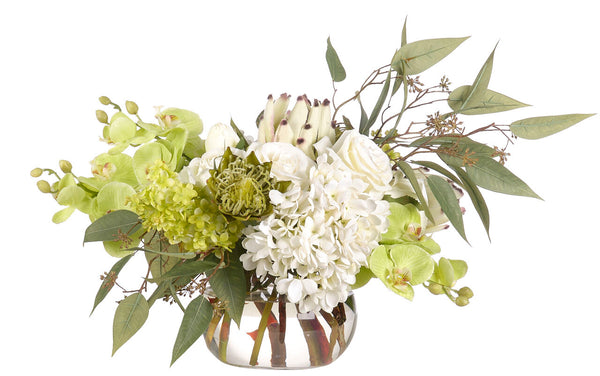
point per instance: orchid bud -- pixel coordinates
(65, 166)
(465, 292)
(131, 107)
(44, 186)
(36, 172)
(461, 301)
(104, 100)
(102, 116)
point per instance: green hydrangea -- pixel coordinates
(185, 215)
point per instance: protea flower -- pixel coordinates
(302, 126)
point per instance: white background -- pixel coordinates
(536, 283)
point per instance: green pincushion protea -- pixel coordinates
(241, 186)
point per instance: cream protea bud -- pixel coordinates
(266, 128)
(241, 186)
(325, 126)
(297, 117)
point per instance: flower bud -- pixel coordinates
(44, 186)
(65, 166)
(102, 116)
(465, 292)
(461, 301)
(131, 107)
(104, 100)
(36, 172)
(435, 288)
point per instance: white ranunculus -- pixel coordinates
(220, 137)
(288, 162)
(365, 159)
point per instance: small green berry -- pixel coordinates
(36, 172)
(102, 116)
(465, 292)
(65, 166)
(104, 100)
(461, 301)
(131, 107)
(43, 186)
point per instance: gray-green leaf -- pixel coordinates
(490, 174)
(412, 178)
(336, 69)
(229, 285)
(478, 89)
(490, 102)
(108, 282)
(539, 127)
(130, 316)
(195, 321)
(416, 57)
(111, 225)
(444, 193)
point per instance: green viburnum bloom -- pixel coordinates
(241, 186)
(401, 266)
(185, 215)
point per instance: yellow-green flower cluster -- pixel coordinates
(185, 216)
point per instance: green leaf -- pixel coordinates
(539, 127)
(243, 143)
(478, 89)
(436, 167)
(111, 225)
(444, 193)
(476, 198)
(108, 282)
(416, 57)
(179, 255)
(403, 40)
(130, 316)
(490, 174)
(229, 285)
(195, 321)
(189, 268)
(336, 69)
(412, 178)
(489, 102)
(378, 105)
(364, 118)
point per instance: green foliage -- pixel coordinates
(109, 281)
(416, 57)
(336, 69)
(492, 175)
(543, 126)
(229, 285)
(112, 226)
(445, 195)
(130, 316)
(196, 319)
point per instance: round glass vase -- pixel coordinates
(274, 334)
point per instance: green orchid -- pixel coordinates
(401, 266)
(405, 228)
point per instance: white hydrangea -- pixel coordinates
(320, 233)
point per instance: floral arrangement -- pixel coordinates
(314, 206)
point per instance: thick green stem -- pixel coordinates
(262, 326)
(224, 337)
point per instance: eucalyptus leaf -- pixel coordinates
(378, 105)
(412, 178)
(436, 167)
(539, 127)
(229, 285)
(195, 321)
(416, 57)
(364, 118)
(489, 102)
(477, 90)
(130, 316)
(476, 198)
(403, 38)
(110, 226)
(188, 268)
(336, 69)
(490, 174)
(444, 194)
(108, 282)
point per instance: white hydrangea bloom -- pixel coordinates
(320, 233)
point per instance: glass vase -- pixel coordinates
(274, 334)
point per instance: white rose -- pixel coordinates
(288, 162)
(220, 137)
(365, 159)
